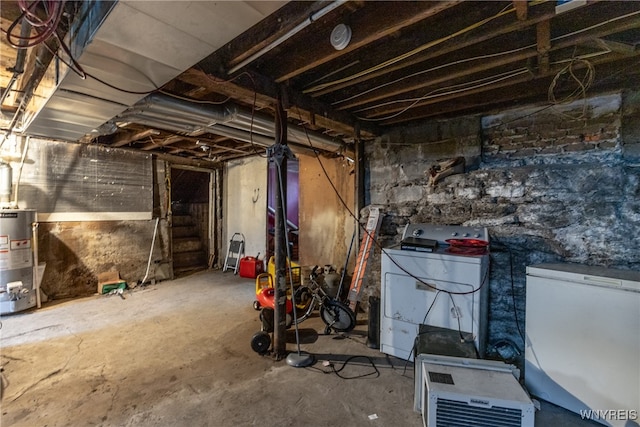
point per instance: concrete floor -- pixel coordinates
(178, 354)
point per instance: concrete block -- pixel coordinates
(406, 194)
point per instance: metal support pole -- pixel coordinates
(279, 153)
(360, 196)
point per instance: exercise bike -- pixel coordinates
(336, 315)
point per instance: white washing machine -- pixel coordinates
(437, 280)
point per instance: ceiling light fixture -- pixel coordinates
(340, 36)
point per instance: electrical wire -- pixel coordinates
(44, 27)
(74, 66)
(195, 101)
(333, 370)
(253, 104)
(473, 59)
(505, 11)
(288, 258)
(439, 67)
(580, 92)
(632, 65)
(433, 94)
(72, 63)
(584, 84)
(376, 242)
(424, 321)
(513, 296)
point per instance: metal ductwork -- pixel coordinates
(136, 46)
(230, 120)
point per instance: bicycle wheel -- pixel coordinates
(337, 316)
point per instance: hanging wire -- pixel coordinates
(450, 90)
(439, 67)
(44, 27)
(253, 104)
(484, 281)
(503, 12)
(580, 92)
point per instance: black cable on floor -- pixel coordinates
(333, 370)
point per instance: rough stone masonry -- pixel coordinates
(551, 183)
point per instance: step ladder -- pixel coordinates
(366, 248)
(234, 253)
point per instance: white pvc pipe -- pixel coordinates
(153, 242)
(36, 273)
(17, 186)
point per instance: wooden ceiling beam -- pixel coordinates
(123, 139)
(443, 78)
(214, 143)
(449, 46)
(522, 8)
(543, 37)
(264, 91)
(377, 114)
(366, 29)
(160, 142)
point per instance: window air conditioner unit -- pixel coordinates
(460, 392)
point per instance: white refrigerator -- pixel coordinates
(583, 340)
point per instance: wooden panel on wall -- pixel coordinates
(326, 225)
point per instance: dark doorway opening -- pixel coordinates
(190, 224)
(293, 174)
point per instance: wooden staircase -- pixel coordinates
(188, 251)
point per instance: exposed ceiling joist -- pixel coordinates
(404, 63)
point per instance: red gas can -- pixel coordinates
(251, 267)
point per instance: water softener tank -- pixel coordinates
(17, 290)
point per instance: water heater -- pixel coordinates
(17, 289)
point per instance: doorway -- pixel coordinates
(190, 219)
(293, 174)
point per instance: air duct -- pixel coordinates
(230, 120)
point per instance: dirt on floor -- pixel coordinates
(178, 353)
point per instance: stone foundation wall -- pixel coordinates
(557, 184)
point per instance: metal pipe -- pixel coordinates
(295, 30)
(241, 135)
(231, 120)
(36, 272)
(170, 105)
(257, 121)
(14, 78)
(262, 123)
(18, 68)
(17, 186)
(314, 140)
(169, 118)
(162, 124)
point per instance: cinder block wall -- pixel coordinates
(552, 184)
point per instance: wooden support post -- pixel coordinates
(543, 34)
(521, 9)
